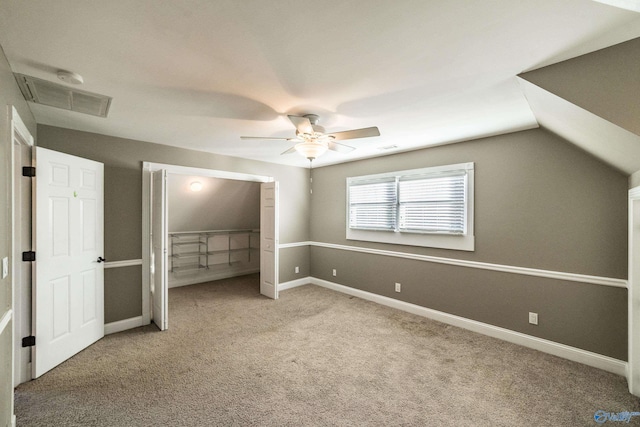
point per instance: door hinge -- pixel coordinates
(28, 256)
(29, 171)
(29, 341)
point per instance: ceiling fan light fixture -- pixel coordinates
(311, 149)
(313, 141)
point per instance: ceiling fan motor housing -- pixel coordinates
(313, 118)
(318, 131)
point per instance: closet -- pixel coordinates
(213, 228)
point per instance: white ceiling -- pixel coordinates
(199, 74)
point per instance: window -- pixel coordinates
(433, 204)
(430, 207)
(373, 204)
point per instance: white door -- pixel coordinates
(68, 290)
(159, 235)
(633, 372)
(269, 239)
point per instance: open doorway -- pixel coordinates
(213, 228)
(22, 143)
(194, 247)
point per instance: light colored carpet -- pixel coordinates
(313, 357)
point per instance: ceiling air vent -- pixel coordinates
(60, 96)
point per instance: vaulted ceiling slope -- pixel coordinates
(605, 82)
(593, 101)
(199, 74)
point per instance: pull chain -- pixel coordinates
(310, 176)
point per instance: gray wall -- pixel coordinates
(9, 95)
(634, 180)
(123, 159)
(604, 82)
(290, 258)
(222, 204)
(539, 202)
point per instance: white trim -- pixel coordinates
(213, 173)
(293, 245)
(20, 127)
(123, 325)
(6, 318)
(561, 350)
(420, 171)
(13, 421)
(559, 275)
(294, 283)
(124, 263)
(146, 244)
(19, 136)
(633, 313)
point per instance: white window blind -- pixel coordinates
(433, 204)
(429, 207)
(373, 204)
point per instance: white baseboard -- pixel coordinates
(203, 278)
(589, 358)
(294, 283)
(122, 325)
(13, 421)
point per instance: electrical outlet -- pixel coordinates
(297, 269)
(5, 267)
(533, 318)
(398, 287)
(335, 273)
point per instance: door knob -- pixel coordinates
(100, 259)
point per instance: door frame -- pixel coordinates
(20, 136)
(633, 367)
(159, 300)
(147, 168)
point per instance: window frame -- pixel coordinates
(464, 242)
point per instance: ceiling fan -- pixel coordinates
(313, 141)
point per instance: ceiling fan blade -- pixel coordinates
(289, 151)
(266, 137)
(355, 133)
(302, 124)
(340, 148)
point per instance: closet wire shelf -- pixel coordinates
(191, 250)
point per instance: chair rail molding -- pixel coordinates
(123, 263)
(550, 274)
